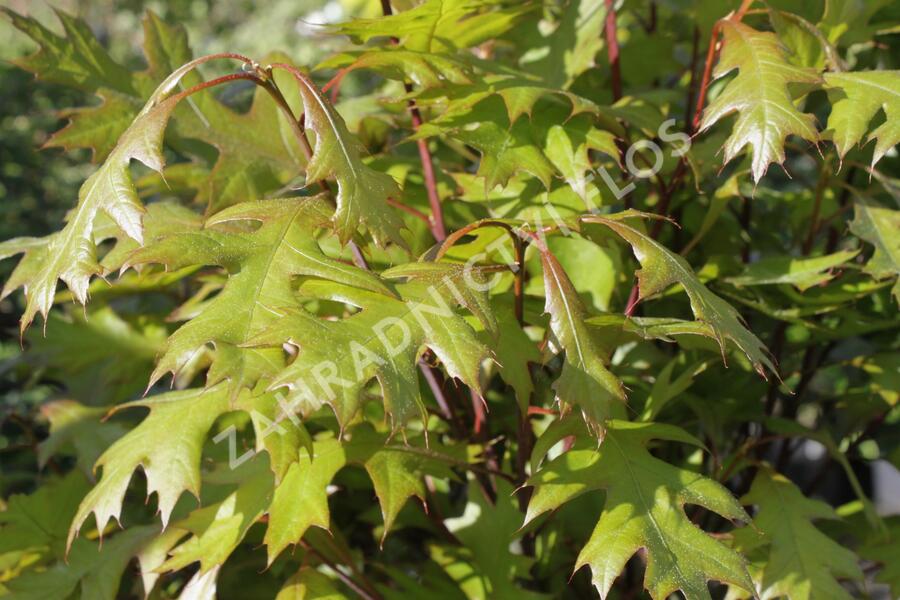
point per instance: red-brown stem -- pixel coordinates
(633, 299)
(692, 86)
(519, 243)
(480, 418)
(707, 74)
(438, 229)
(710, 59)
(409, 209)
(612, 50)
(693, 126)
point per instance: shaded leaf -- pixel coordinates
(644, 508)
(801, 562)
(878, 226)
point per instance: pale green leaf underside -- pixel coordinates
(760, 94)
(855, 100)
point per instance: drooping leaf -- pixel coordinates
(70, 255)
(585, 381)
(760, 93)
(167, 445)
(800, 561)
(855, 100)
(363, 192)
(644, 508)
(301, 500)
(878, 225)
(661, 269)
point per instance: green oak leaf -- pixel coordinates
(167, 445)
(383, 341)
(257, 149)
(85, 350)
(437, 25)
(878, 225)
(760, 94)
(661, 268)
(506, 149)
(519, 95)
(424, 69)
(644, 508)
(309, 584)
(485, 565)
(568, 147)
(301, 499)
(258, 152)
(93, 570)
(803, 273)
(585, 382)
(262, 266)
(76, 59)
(38, 522)
(800, 561)
(70, 255)
(79, 60)
(855, 100)
(79, 426)
(568, 50)
(217, 529)
(514, 352)
(363, 192)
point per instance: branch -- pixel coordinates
(612, 50)
(438, 230)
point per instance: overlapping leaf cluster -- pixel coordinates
(434, 266)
